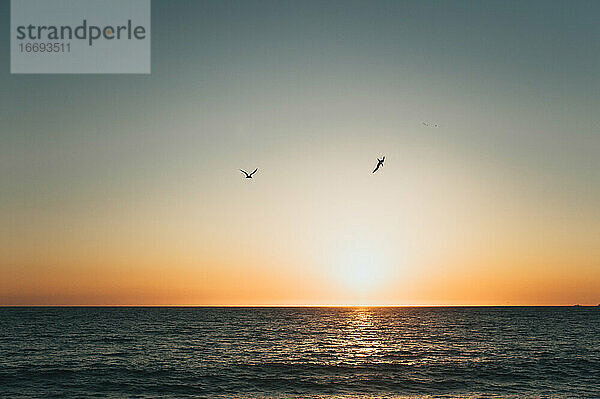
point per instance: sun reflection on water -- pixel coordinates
(362, 339)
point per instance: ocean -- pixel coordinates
(370, 352)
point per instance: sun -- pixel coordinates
(362, 270)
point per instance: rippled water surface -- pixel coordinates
(300, 352)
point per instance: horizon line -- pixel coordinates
(285, 305)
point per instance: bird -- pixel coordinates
(379, 163)
(430, 124)
(248, 176)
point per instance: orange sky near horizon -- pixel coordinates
(307, 252)
(425, 230)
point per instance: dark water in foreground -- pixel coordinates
(300, 352)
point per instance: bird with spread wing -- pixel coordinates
(248, 175)
(379, 164)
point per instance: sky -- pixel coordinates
(125, 189)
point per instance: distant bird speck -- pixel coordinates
(248, 176)
(379, 163)
(430, 124)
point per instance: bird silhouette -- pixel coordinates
(248, 176)
(430, 124)
(379, 163)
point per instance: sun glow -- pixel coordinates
(362, 270)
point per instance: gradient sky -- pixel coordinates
(121, 189)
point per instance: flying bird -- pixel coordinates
(379, 163)
(430, 124)
(248, 176)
